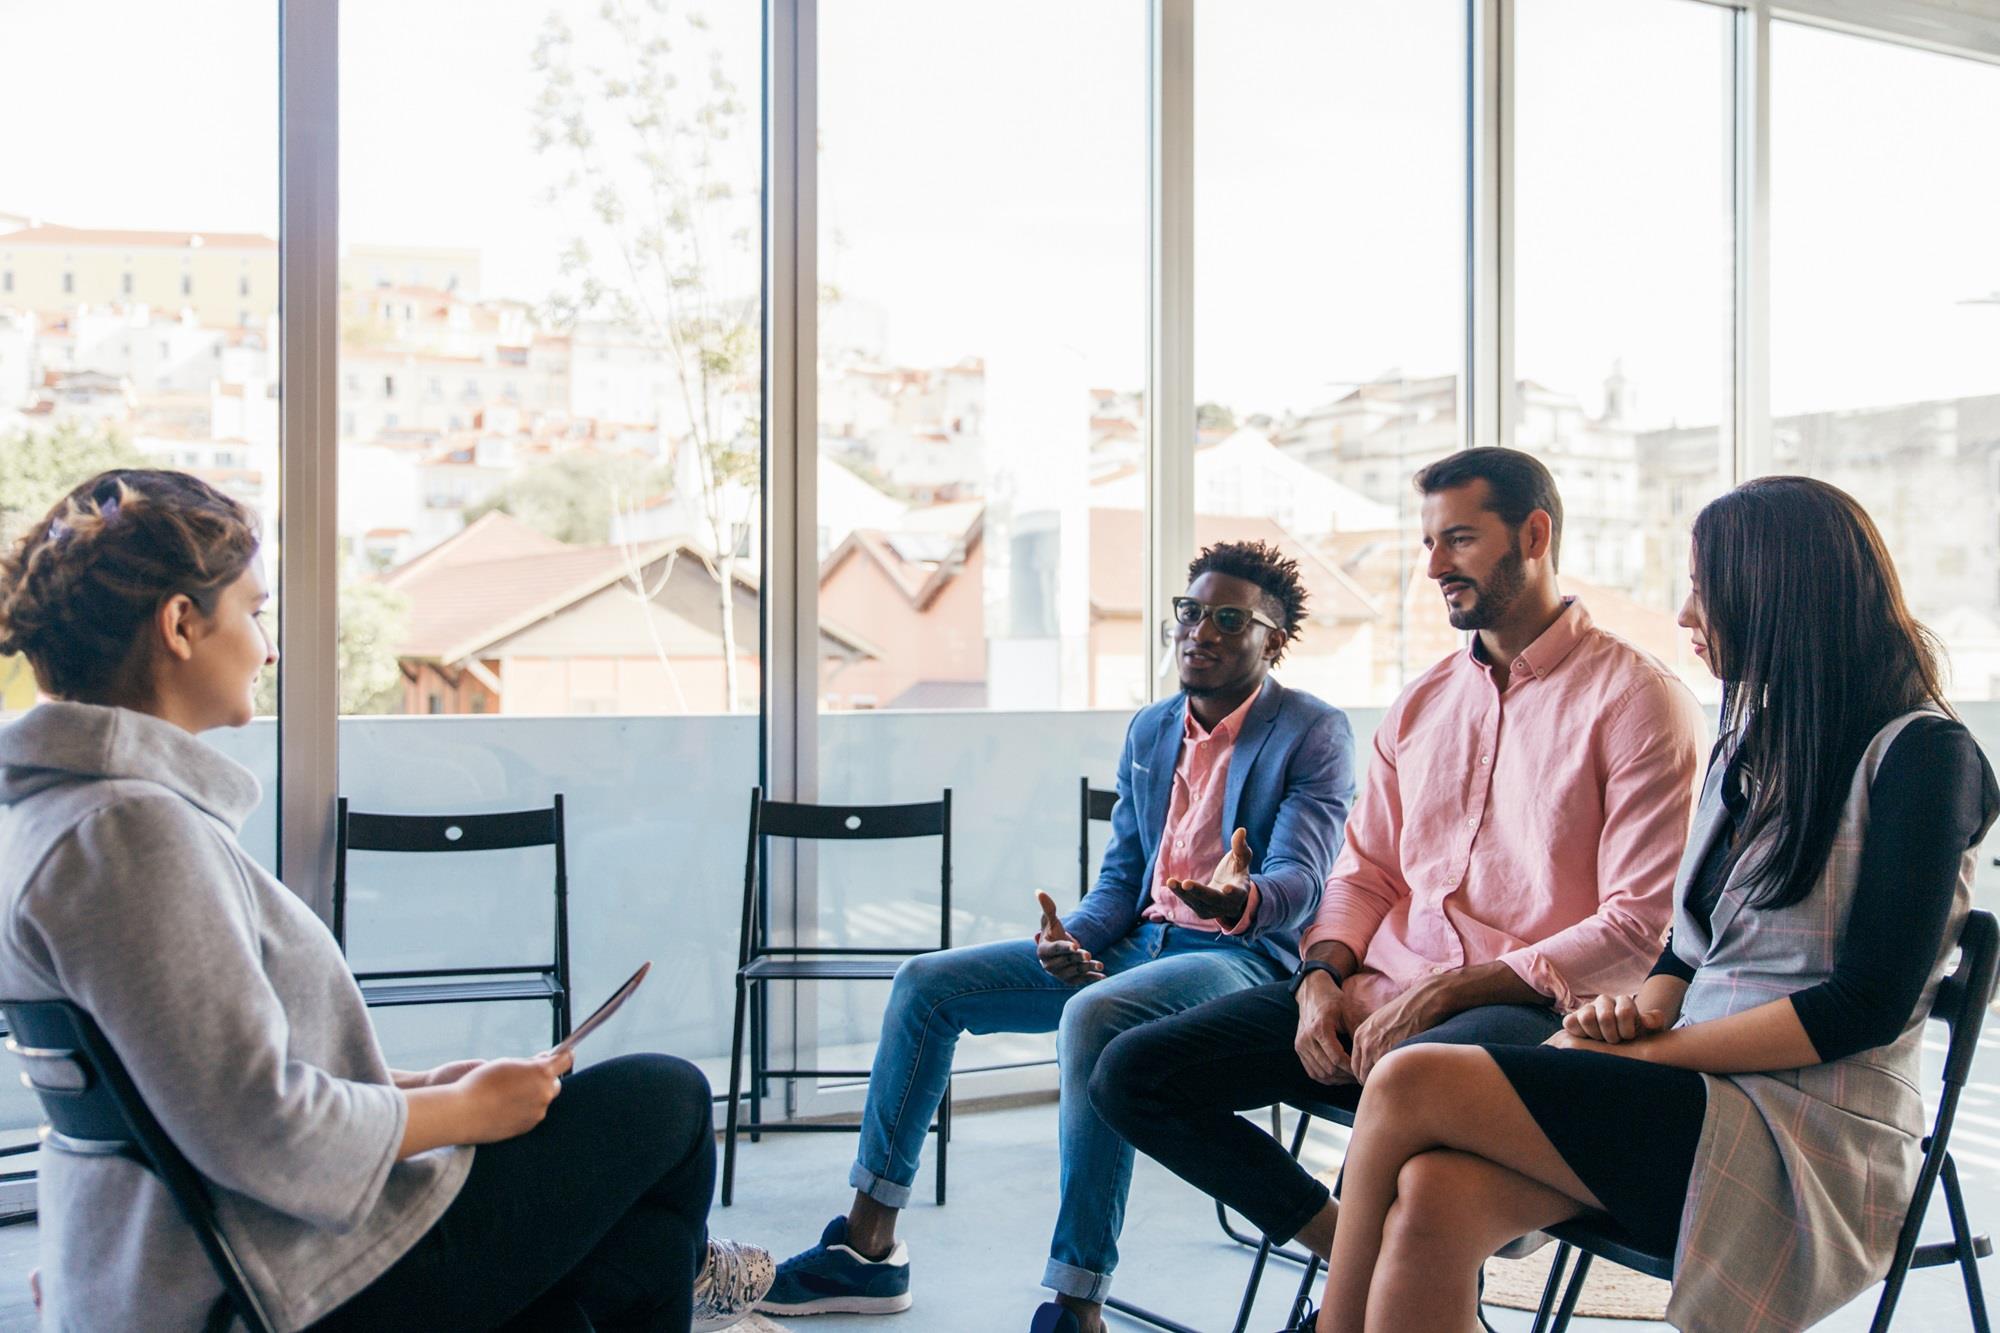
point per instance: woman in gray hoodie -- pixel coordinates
(354, 1193)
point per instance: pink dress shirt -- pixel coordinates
(1194, 840)
(1540, 826)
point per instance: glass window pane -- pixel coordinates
(1624, 264)
(139, 284)
(982, 354)
(1330, 308)
(982, 361)
(1885, 312)
(550, 509)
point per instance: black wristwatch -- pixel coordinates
(1312, 965)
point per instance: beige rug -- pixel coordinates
(1610, 1292)
(758, 1323)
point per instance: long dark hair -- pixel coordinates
(1807, 624)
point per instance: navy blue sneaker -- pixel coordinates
(831, 1278)
(1055, 1317)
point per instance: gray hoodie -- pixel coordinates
(123, 889)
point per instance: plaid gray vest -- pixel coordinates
(1803, 1176)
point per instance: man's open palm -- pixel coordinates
(1061, 956)
(1227, 891)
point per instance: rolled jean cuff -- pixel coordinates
(885, 1192)
(1282, 1235)
(1078, 1282)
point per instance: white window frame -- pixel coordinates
(309, 111)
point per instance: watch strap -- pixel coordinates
(1312, 965)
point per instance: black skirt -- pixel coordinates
(1627, 1128)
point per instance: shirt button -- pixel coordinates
(1472, 821)
(1437, 971)
(1485, 758)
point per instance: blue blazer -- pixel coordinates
(1291, 781)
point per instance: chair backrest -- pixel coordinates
(1963, 996)
(803, 821)
(1960, 1004)
(1094, 805)
(94, 1109)
(355, 830)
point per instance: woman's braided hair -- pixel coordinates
(79, 586)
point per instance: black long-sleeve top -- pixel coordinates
(1933, 796)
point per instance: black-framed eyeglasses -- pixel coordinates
(1230, 620)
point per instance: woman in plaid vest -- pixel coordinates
(1754, 1108)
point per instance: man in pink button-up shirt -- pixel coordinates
(1512, 854)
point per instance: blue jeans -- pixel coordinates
(1155, 971)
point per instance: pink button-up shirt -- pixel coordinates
(1194, 840)
(1540, 826)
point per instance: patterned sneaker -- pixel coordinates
(733, 1280)
(831, 1278)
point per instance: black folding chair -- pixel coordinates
(546, 982)
(94, 1110)
(760, 963)
(1962, 999)
(17, 1177)
(1095, 806)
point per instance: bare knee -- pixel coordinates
(1433, 1190)
(1412, 1081)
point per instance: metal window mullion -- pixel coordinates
(791, 452)
(1748, 453)
(308, 571)
(1170, 413)
(1488, 397)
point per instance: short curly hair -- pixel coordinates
(1274, 572)
(79, 586)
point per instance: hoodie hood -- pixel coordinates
(54, 744)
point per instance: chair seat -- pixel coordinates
(1607, 1240)
(481, 990)
(1333, 1111)
(822, 969)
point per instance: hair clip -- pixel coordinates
(107, 508)
(58, 530)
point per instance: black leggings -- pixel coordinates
(596, 1218)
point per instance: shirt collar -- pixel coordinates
(1225, 730)
(1550, 648)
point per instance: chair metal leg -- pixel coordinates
(1304, 1296)
(1145, 1316)
(759, 1000)
(1249, 1300)
(1250, 1242)
(735, 1100)
(1573, 1292)
(1968, 1256)
(943, 1139)
(1545, 1311)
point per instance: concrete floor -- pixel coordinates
(978, 1260)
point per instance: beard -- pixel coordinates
(1496, 596)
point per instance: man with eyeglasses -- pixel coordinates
(1232, 802)
(1512, 855)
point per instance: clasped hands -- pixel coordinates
(1222, 899)
(1608, 1023)
(1337, 1043)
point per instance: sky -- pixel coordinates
(983, 179)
